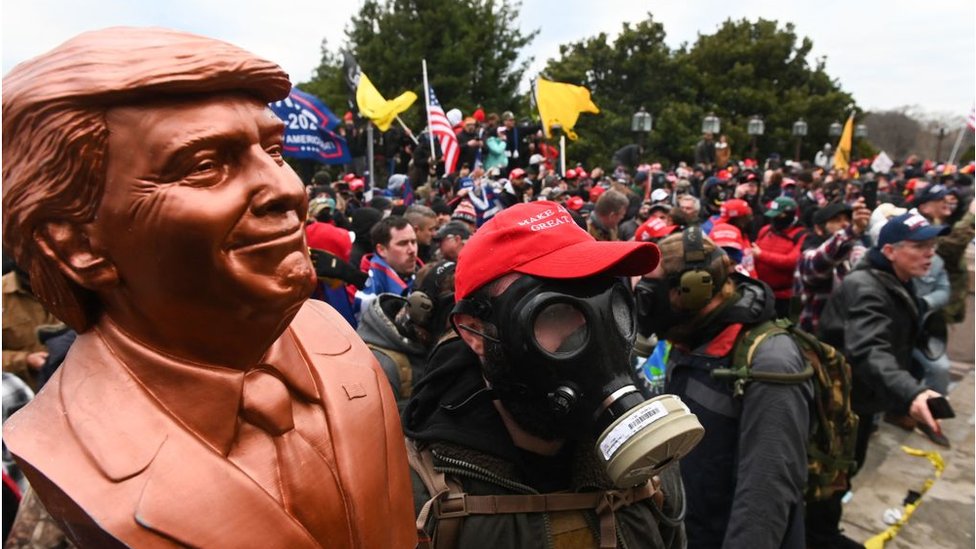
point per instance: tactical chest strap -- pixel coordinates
(449, 504)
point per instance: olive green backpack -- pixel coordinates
(833, 433)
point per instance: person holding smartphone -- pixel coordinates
(874, 317)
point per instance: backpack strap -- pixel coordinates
(740, 370)
(447, 529)
(403, 367)
(449, 504)
(798, 235)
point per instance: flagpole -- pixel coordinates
(406, 129)
(955, 148)
(368, 195)
(562, 153)
(430, 131)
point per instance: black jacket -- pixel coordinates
(452, 414)
(874, 319)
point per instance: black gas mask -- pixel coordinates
(558, 356)
(783, 222)
(657, 313)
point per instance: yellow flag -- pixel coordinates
(561, 104)
(842, 158)
(372, 105)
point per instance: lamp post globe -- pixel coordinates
(641, 124)
(799, 132)
(755, 128)
(711, 124)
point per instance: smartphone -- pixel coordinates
(940, 408)
(871, 194)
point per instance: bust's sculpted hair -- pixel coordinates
(55, 139)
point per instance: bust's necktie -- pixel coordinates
(303, 474)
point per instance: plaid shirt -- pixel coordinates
(822, 269)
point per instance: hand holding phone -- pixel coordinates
(940, 408)
(871, 194)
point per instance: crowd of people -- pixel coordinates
(514, 308)
(871, 263)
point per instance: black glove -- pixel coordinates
(329, 266)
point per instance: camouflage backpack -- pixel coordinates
(830, 448)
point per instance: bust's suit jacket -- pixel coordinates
(116, 469)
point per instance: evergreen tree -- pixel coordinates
(472, 49)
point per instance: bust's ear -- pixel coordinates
(68, 246)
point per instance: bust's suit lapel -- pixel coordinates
(191, 493)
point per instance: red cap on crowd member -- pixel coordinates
(927, 165)
(735, 207)
(653, 229)
(581, 173)
(348, 177)
(788, 182)
(749, 163)
(726, 236)
(541, 239)
(517, 173)
(348, 116)
(570, 174)
(595, 192)
(723, 175)
(357, 185)
(479, 115)
(575, 203)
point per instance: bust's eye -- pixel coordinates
(274, 151)
(204, 166)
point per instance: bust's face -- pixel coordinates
(201, 218)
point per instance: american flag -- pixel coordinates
(444, 133)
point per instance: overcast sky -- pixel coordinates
(888, 53)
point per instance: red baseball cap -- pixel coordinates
(574, 203)
(723, 175)
(653, 229)
(516, 173)
(357, 185)
(726, 236)
(349, 177)
(595, 192)
(735, 207)
(541, 239)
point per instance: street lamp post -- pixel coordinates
(755, 129)
(799, 131)
(835, 130)
(641, 124)
(711, 124)
(860, 132)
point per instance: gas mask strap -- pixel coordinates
(476, 308)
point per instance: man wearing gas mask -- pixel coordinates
(745, 481)
(527, 430)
